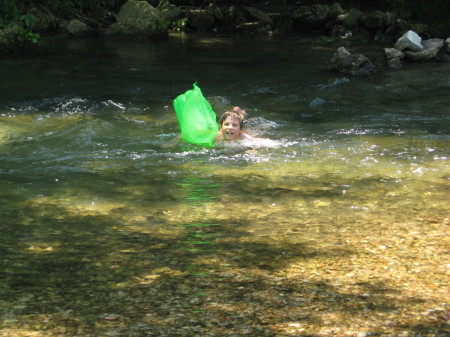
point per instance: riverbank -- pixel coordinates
(31, 31)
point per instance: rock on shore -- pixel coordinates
(411, 47)
(139, 20)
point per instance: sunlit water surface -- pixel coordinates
(87, 187)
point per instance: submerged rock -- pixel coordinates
(357, 64)
(316, 102)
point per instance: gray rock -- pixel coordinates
(8, 37)
(259, 15)
(448, 45)
(433, 43)
(340, 31)
(410, 40)
(139, 20)
(395, 30)
(170, 12)
(282, 22)
(357, 64)
(394, 63)
(312, 17)
(200, 19)
(392, 53)
(351, 19)
(335, 10)
(78, 29)
(375, 20)
(430, 51)
(232, 17)
(216, 11)
(316, 102)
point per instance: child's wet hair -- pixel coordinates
(234, 114)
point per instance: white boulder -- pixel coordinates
(410, 40)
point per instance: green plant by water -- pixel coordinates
(10, 13)
(27, 34)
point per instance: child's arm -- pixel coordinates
(245, 135)
(242, 112)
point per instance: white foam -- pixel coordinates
(257, 143)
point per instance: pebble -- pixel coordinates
(110, 317)
(366, 334)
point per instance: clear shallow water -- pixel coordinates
(90, 195)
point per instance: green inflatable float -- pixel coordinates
(196, 117)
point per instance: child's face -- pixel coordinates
(231, 128)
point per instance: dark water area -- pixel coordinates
(107, 232)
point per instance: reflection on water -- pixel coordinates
(342, 194)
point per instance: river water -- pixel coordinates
(98, 216)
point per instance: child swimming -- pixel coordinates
(231, 126)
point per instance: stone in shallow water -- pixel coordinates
(317, 102)
(344, 62)
(392, 53)
(431, 49)
(410, 40)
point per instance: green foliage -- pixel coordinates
(180, 24)
(29, 20)
(163, 3)
(162, 25)
(8, 12)
(328, 39)
(28, 35)
(71, 8)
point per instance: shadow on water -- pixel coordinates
(67, 272)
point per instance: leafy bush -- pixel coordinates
(8, 12)
(27, 34)
(70, 8)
